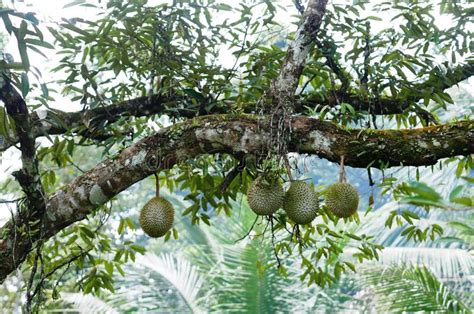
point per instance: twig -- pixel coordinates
(371, 181)
(333, 65)
(29, 296)
(264, 230)
(76, 166)
(51, 272)
(299, 6)
(273, 241)
(288, 167)
(10, 201)
(250, 230)
(307, 83)
(157, 184)
(342, 171)
(365, 76)
(297, 234)
(232, 175)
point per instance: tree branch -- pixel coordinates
(394, 105)
(284, 86)
(171, 105)
(28, 177)
(235, 135)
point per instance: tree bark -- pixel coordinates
(28, 176)
(235, 135)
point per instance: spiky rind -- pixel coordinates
(342, 199)
(264, 197)
(301, 202)
(156, 217)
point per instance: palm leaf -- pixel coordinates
(444, 263)
(88, 303)
(410, 289)
(183, 276)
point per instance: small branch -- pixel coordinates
(229, 178)
(333, 64)
(369, 174)
(342, 171)
(299, 6)
(157, 104)
(365, 76)
(157, 184)
(9, 201)
(248, 232)
(55, 269)
(288, 167)
(273, 242)
(28, 177)
(29, 295)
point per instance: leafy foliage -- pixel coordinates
(174, 49)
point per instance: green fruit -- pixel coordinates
(264, 197)
(156, 217)
(301, 202)
(342, 199)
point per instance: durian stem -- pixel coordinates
(342, 171)
(288, 167)
(273, 242)
(369, 174)
(157, 182)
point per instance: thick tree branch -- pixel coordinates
(284, 86)
(170, 105)
(235, 135)
(85, 123)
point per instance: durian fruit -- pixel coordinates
(156, 217)
(301, 202)
(342, 199)
(265, 196)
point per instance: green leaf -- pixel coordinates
(7, 21)
(37, 42)
(24, 54)
(455, 192)
(121, 227)
(25, 84)
(109, 267)
(77, 30)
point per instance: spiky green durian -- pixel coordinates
(342, 199)
(265, 196)
(156, 217)
(301, 202)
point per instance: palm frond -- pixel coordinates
(444, 263)
(448, 264)
(179, 273)
(410, 289)
(88, 303)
